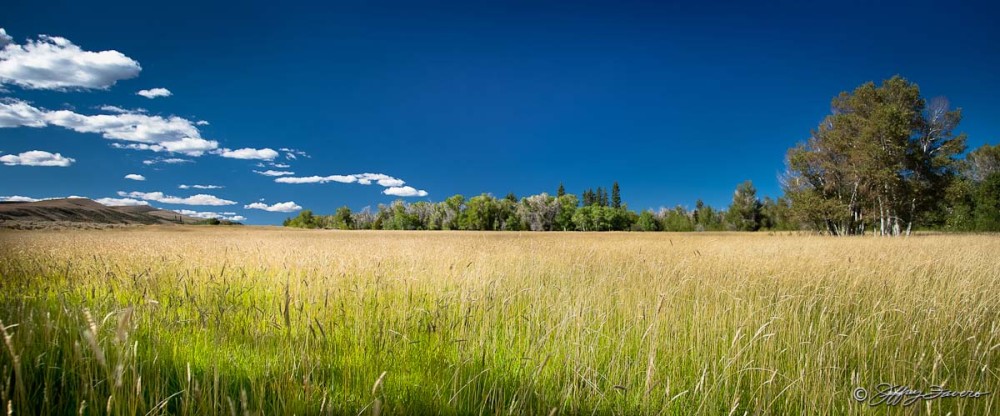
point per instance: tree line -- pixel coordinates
(885, 161)
(597, 210)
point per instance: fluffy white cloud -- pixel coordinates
(318, 179)
(208, 215)
(248, 153)
(154, 93)
(145, 132)
(289, 206)
(17, 198)
(55, 63)
(200, 186)
(17, 113)
(404, 191)
(281, 165)
(171, 134)
(394, 186)
(382, 179)
(37, 158)
(361, 178)
(274, 172)
(135, 177)
(120, 202)
(199, 199)
(201, 123)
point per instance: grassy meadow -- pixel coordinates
(256, 320)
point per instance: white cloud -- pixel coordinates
(140, 131)
(146, 132)
(360, 178)
(209, 215)
(248, 153)
(199, 199)
(17, 113)
(318, 179)
(169, 161)
(200, 186)
(154, 93)
(404, 191)
(291, 154)
(289, 206)
(37, 158)
(18, 198)
(394, 186)
(120, 110)
(4, 38)
(281, 165)
(201, 123)
(135, 177)
(120, 202)
(55, 63)
(382, 179)
(274, 172)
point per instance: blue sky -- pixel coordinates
(674, 101)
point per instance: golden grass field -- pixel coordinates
(259, 320)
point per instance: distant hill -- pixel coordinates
(76, 212)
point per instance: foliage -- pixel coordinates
(744, 213)
(880, 160)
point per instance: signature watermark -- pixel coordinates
(888, 394)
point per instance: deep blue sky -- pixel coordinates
(676, 102)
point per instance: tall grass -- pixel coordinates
(263, 321)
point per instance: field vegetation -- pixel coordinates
(251, 320)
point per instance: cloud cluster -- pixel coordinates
(199, 199)
(292, 154)
(19, 198)
(289, 206)
(394, 186)
(141, 131)
(154, 93)
(55, 63)
(37, 158)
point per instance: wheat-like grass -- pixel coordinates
(256, 320)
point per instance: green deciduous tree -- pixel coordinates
(744, 213)
(647, 222)
(567, 207)
(882, 159)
